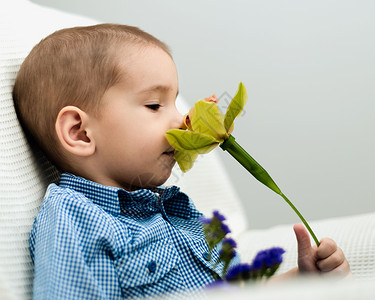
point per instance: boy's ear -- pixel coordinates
(73, 132)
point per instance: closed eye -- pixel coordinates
(153, 106)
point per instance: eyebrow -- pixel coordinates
(157, 88)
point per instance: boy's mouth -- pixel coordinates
(169, 152)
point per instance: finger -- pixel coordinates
(332, 262)
(306, 253)
(327, 248)
(342, 270)
(303, 240)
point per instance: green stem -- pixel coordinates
(260, 174)
(302, 218)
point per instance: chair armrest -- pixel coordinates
(355, 235)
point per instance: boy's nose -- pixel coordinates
(178, 120)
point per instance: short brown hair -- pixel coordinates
(73, 66)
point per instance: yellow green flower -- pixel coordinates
(207, 127)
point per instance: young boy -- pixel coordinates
(99, 100)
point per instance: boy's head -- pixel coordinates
(85, 94)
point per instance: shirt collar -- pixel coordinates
(104, 196)
(136, 204)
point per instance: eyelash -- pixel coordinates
(153, 106)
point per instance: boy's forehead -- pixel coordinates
(148, 69)
(156, 88)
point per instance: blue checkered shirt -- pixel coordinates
(91, 241)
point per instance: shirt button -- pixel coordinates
(206, 256)
(151, 266)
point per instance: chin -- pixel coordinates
(151, 182)
(154, 178)
(163, 178)
(162, 181)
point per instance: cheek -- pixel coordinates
(148, 135)
(137, 134)
(119, 128)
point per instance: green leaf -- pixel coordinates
(235, 107)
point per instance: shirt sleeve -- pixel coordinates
(73, 248)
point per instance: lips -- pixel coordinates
(169, 152)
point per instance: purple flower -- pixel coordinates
(227, 252)
(277, 254)
(231, 242)
(238, 272)
(214, 229)
(225, 228)
(219, 216)
(268, 258)
(205, 220)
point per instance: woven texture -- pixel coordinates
(24, 173)
(355, 235)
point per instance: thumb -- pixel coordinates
(303, 239)
(306, 257)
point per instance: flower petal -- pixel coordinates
(187, 118)
(235, 107)
(182, 140)
(185, 159)
(209, 120)
(212, 98)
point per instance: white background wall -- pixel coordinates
(309, 68)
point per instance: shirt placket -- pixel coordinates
(161, 207)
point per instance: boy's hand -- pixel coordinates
(325, 259)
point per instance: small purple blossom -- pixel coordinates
(214, 229)
(225, 228)
(238, 272)
(277, 254)
(205, 220)
(264, 265)
(231, 242)
(260, 260)
(219, 216)
(227, 252)
(268, 258)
